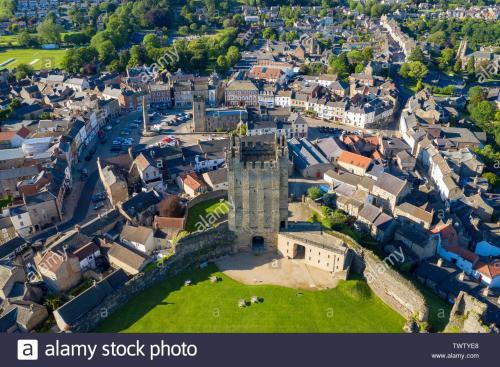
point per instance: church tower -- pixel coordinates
(199, 114)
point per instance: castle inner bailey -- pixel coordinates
(258, 190)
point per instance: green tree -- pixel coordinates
(417, 55)
(445, 59)
(25, 39)
(482, 114)
(291, 36)
(355, 57)
(476, 94)
(413, 70)
(106, 51)
(339, 65)
(438, 38)
(314, 192)
(233, 55)
(49, 31)
(470, 67)
(75, 59)
(269, 34)
(151, 41)
(222, 64)
(492, 178)
(23, 70)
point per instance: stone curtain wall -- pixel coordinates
(398, 292)
(191, 251)
(387, 283)
(210, 195)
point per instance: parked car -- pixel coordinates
(108, 128)
(125, 132)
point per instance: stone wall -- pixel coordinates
(466, 316)
(210, 195)
(387, 283)
(190, 252)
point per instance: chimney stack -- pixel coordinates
(440, 262)
(461, 276)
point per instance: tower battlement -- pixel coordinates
(258, 188)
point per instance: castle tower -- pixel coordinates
(145, 115)
(257, 189)
(199, 114)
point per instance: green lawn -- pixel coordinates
(8, 40)
(205, 213)
(207, 307)
(36, 57)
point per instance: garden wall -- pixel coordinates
(190, 252)
(210, 195)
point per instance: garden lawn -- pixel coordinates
(204, 211)
(206, 307)
(36, 57)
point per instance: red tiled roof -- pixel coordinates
(447, 233)
(7, 135)
(190, 180)
(354, 159)
(464, 253)
(86, 250)
(23, 132)
(491, 270)
(169, 222)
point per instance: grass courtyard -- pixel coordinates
(205, 213)
(36, 57)
(207, 307)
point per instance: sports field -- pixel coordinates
(208, 307)
(36, 57)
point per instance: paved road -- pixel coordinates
(81, 210)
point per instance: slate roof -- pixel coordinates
(92, 297)
(11, 246)
(218, 176)
(140, 202)
(390, 183)
(127, 256)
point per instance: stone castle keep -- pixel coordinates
(258, 190)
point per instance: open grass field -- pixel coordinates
(207, 307)
(36, 57)
(205, 212)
